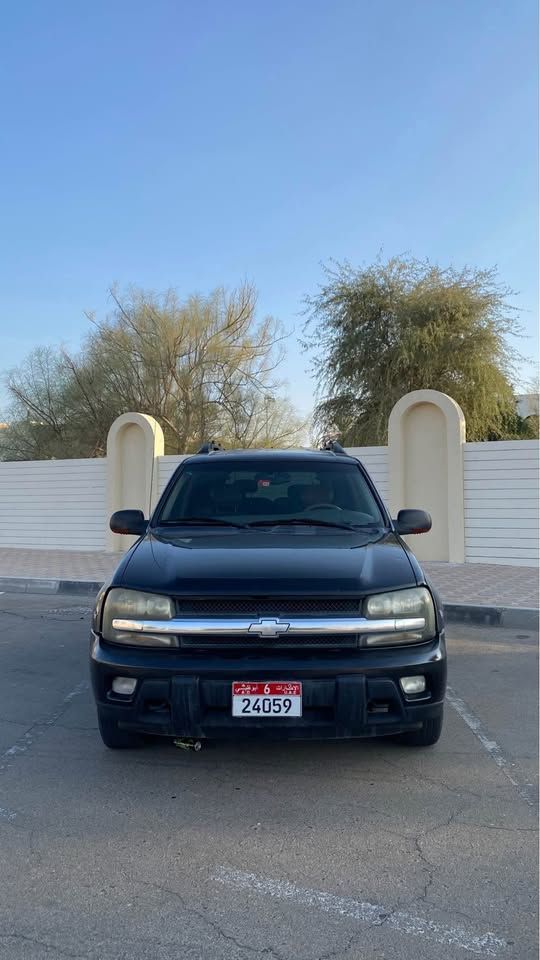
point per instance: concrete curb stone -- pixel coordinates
(526, 618)
(39, 585)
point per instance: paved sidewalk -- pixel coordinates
(471, 583)
(489, 584)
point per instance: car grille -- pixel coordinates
(332, 642)
(268, 607)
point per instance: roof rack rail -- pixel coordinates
(211, 447)
(333, 446)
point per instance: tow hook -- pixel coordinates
(188, 743)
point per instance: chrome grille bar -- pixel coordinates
(270, 627)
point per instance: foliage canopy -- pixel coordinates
(381, 331)
(204, 367)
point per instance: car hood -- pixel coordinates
(262, 564)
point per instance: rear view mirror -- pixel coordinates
(412, 521)
(131, 522)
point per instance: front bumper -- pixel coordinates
(344, 695)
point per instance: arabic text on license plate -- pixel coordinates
(280, 698)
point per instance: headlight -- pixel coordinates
(133, 605)
(401, 604)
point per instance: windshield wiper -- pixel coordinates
(201, 521)
(299, 521)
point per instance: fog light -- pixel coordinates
(413, 684)
(124, 685)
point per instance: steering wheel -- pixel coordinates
(323, 506)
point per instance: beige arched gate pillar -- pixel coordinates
(133, 444)
(426, 434)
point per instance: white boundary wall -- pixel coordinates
(375, 460)
(62, 504)
(501, 502)
(167, 466)
(54, 504)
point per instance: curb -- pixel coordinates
(87, 588)
(524, 618)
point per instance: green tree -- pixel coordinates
(204, 367)
(380, 331)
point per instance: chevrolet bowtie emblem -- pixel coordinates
(268, 628)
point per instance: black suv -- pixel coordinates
(269, 595)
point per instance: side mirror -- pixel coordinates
(128, 521)
(412, 521)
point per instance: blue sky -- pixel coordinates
(191, 144)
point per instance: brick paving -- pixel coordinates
(489, 584)
(478, 583)
(57, 564)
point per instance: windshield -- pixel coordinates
(269, 491)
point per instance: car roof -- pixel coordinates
(231, 456)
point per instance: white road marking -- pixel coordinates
(373, 914)
(38, 729)
(73, 609)
(490, 745)
(7, 814)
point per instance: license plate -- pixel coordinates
(273, 699)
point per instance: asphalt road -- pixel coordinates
(304, 851)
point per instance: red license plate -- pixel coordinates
(272, 698)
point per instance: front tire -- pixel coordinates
(427, 736)
(113, 737)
